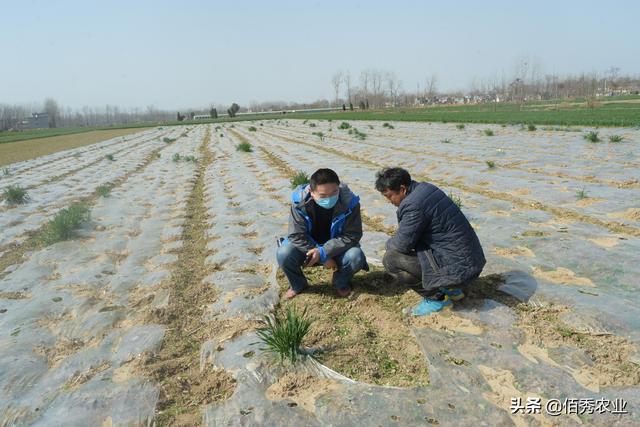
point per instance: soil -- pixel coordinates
(302, 388)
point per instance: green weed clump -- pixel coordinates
(615, 138)
(110, 157)
(488, 132)
(312, 125)
(176, 158)
(283, 334)
(299, 178)
(490, 164)
(581, 194)
(15, 195)
(244, 147)
(531, 128)
(387, 125)
(460, 126)
(252, 129)
(360, 135)
(104, 190)
(344, 125)
(168, 140)
(591, 136)
(319, 135)
(446, 141)
(62, 226)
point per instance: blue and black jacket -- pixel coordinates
(346, 225)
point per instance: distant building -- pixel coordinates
(201, 116)
(36, 121)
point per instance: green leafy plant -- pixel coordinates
(104, 190)
(615, 138)
(581, 194)
(168, 140)
(299, 178)
(312, 125)
(6, 172)
(460, 126)
(110, 157)
(244, 147)
(283, 334)
(387, 125)
(252, 129)
(62, 226)
(344, 125)
(192, 159)
(591, 136)
(15, 195)
(319, 135)
(488, 132)
(176, 157)
(531, 127)
(360, 135)
(490, 164)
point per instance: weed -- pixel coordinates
(446, 141)
(244, 147)
(591, 136)
(110, 157)
(283, 335)
(312, 125)
(344, 125)
(62, 226)
(252, 129)
(460, 126)
(176, 158)
(387, 125)
(615, 138)
(531, 127)
(168, 140)
(456, 200)
(104, 190)
(581, 194)
(488, 132)
(319, 135)
(6, 172)
(15, 195)
(299, 178)
(490, 164)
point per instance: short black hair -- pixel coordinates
(323, 176)
(392, 179)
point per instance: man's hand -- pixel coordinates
(331, 264)
(313, 256)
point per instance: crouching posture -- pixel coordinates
(434, 250)
(325, 227)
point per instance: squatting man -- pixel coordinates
(434, 251)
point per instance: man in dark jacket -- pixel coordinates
(434, 250)
(325, 227)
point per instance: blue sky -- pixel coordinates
(174, 54)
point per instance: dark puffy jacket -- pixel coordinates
(430, 224)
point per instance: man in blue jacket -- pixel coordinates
(434, 250)
(325, 227)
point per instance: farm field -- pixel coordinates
(150, 310)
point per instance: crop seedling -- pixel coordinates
(299, 178)
(387, 125)
(592, 136)
(490, 164)
(244, 147)
(252, 129)
(62, 226)
(283, 334)
(581, 194)
(531, 127)
(460, 126)
(344, 125)
(110, 157)
(488, 132)
(15, 195)
(615, 138)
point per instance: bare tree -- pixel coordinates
(431, 86)
(364, 84)
(52, 110)
(347, 83)
(336, 81)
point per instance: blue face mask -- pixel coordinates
(327, 203)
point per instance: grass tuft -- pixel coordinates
(15, 195)
(615, 138)
(299, 178)
(344, 125)
(104, 190)
(168, 140)
(252, 129)
(319, 135)
(581, 194)
(457, 200)
(531, 128)
(62, 226)
(591, 136)
(490, 164)
(488, 132)
(244, 147)
(460, 126)
(283, 335)
(110, 157)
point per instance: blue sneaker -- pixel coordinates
(454, 294)
(429, 306)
